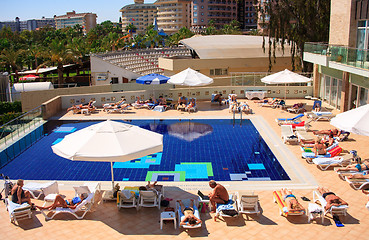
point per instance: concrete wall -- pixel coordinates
(103, 68)
(173, 66)
(201, 93)
(51, 107)
(342, 30)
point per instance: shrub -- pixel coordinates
(8, 107)
(7, 117)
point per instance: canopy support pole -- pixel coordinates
(112, 175)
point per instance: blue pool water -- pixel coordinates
(196, 150)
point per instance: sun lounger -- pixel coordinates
(247, 203)
(227, 210)
(331, 152)
(127, 199)
(296, 119)
(283, 209)
(18, 211)
(316, 116)
(186, 203)
(84, 207)
(45, 189)
(333, 210)
(297, 110)
(358, 183)
(325, 163)
(287, 134)
(149, 198)
(302, 134)
(303, 124)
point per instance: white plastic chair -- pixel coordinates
(18, 211)
(46, 189)
(149, 199)
(247, 203)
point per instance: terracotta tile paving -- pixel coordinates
(107, 222)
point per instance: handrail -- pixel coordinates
(19, 117)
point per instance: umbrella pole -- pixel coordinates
(112, 175)
(285, 92)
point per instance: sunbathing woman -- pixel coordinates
(189, 219)
(291, 200)
(81, 106)
(60, 202)
(244, 107)
(356, 167)
(331, 198)
(319, 148)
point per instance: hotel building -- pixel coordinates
(86, 20)
(341, 67)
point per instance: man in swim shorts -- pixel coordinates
(331, 198)
(291, 200)
(219, 194)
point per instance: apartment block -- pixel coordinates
(86, 20)
(139, 14)
(30, 25)
(173, 15)
(341, 67)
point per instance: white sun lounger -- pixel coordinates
(186, 202)
(325, 163)
(84, 207)
(287, 134)
(358, 183)
(48, 189)
(18, 211)
(247, 203)
(333, 210)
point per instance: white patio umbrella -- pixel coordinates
(354, 121)
(190, 78)
(109, 141)
(285, 77)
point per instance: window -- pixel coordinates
(195, 7)
(202, 20)
(219, 71)
(195, 14)
(114, 80)
(195, 20)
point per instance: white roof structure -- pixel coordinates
(32, 86)
(230, 46)
(42, 70)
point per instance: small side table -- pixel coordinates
(313, 214)
(84, 111)
(168, 216)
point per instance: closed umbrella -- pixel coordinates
(354, 121)
(109, 141)
(152, 79)
(285, 77)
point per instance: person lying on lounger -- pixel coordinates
(67, 203)
(310, 143)
(233, 106)
(188, 212)
(244, 107)
(182, 102)
(333, 131)
(331, 198)
(81, 106)
(356, 167)
(291, 200)
(218, 98)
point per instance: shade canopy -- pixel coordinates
(109, 141)
(190, 77)
(189, 131)
(152, 78)
(29, 77)
(285, 77)
(354, 121)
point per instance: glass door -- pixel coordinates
(353, 96)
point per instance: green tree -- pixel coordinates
(295, 22)
(11, 59)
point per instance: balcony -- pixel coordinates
(343, 58)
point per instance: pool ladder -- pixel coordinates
(234, 118)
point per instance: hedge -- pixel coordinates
(7, 117)
(10, 107)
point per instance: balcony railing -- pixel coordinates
(346, 55)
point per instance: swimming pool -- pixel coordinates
(194, 150)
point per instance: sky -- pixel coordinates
(36, 9)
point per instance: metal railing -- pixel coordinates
(346, 55)
(20, 133)
(254, 78)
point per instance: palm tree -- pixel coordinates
(130, 28)
(10, 58)
(58, 54)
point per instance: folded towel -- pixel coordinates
(127, 193)
(323, 160)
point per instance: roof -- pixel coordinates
(43, 70)
(138, 6)
(230, 46)
(33, 86)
